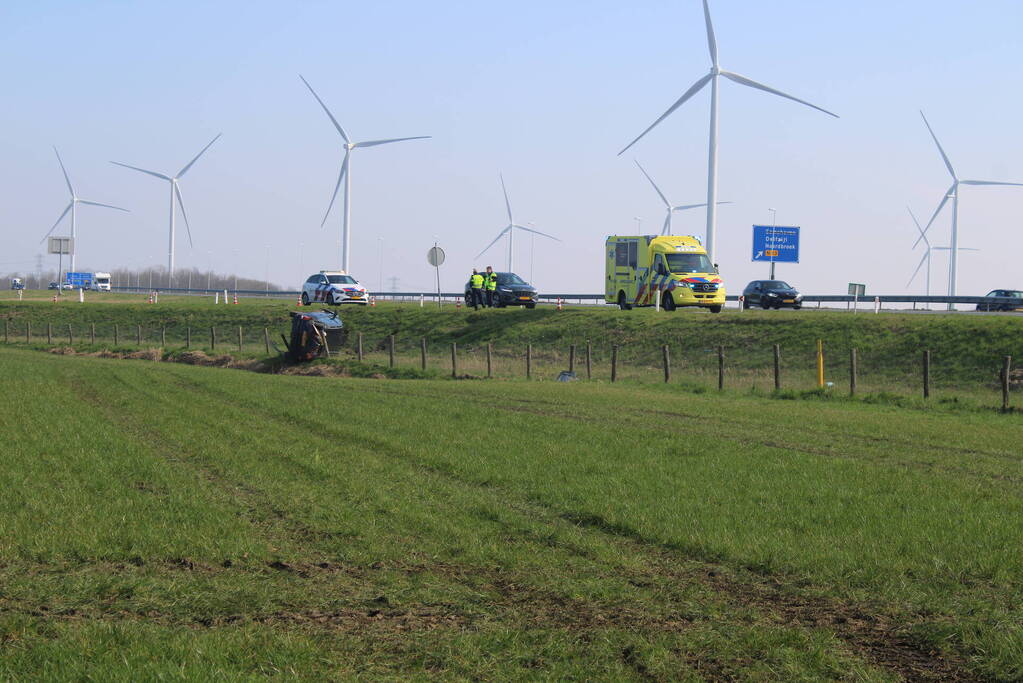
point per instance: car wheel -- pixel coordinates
(305, 299)
(715, 309)
(765, 304)
(668, 302)
(623, 303)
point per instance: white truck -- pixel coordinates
(101, 282)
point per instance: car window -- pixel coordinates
(341, 279)
(313, 280)
(509, 279)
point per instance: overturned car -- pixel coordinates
(314, 335)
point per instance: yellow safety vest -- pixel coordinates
(491, 281)
(477, 281)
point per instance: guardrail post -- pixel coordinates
(588, 365)
(1006, 370)
(667, 364)
(529, 361)
(614, 362)
(358, 346)
(490, 360)
(777, 367)
(422, 353)
(571, 359)
(721, 368)
(927, 373)
(390, 349)
(266, 340)
(852, 372)
(454, 360)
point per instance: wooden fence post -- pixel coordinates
(188, 337)
(28, 332)
(138, 335)
(422, 353)
(70, 336)
(163, 337)
(571, 359)
(454, 360)
(358, 346)
(213, 339)
(239, 338)
(1006, 371)
(490, 360)
(927, 373)
(588, 365)
(667, 364)
(721, 368)
(7, 331)
(115, 335)
(777, 367)
(614, 362)
(92, 333)
(390, 349)
(266, 340)
(529, 361)
(852, 371)
(49, 333)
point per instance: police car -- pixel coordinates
(333, 287)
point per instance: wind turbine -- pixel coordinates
(712, 164)
(953, 194)
(666, 229)
(75, 200)
(346, 175)
(175, 194)
(510, 230)
(927, 255)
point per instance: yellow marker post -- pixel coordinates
(820, 363)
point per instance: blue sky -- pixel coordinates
(546, 93)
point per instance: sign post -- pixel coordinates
(776, 244)
(435, 257)
(856, 291)
(60, 246)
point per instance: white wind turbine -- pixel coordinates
(666, 228)
(346, 175)
(927, 255)
(175, 194)
(712, 165)
(510, 230)
(953, 194)
(75, 200)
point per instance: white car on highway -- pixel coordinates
(333, 287)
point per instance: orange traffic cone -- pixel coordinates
(54, 298)
(150, 297)
(373, 301)
(559, 303)
(458, 303)
(299, 302)
(236, 298)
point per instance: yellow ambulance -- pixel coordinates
(672, 269)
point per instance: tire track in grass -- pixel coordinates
(874, 637)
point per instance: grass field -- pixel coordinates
(169, 521)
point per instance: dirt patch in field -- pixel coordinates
(316, 370)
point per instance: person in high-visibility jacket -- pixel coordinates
(476, 290)
(490, 286)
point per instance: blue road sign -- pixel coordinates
(776, 243)
(80, 279)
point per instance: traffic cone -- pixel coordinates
(236, 298)
(458, 303)
(150, 297)
(372, 301)
(559, 303)
(54, 298)
(299, 302)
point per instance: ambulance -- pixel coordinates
(674, 270)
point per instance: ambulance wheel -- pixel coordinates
(668, 302)
(622, 303)
(715, 309)
(305, 299)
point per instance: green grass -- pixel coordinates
(163, 520)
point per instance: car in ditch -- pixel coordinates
(771, 294)
(511, 291)
(333, 287)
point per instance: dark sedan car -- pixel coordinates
(1013, 293)
(771, 294)
(511, 291)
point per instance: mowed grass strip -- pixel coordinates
(504, 526)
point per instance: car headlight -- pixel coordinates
(771, 294)
(504, 290)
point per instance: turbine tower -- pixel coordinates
(75, 200)
(712, 164)
(175, 194)
(927, 254)
(346, 175)
(666, 228)
(510, 230)
(953, 194)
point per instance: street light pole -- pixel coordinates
(774, 224)
(639, 224)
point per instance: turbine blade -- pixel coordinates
(507, 203)
(918, 267)
(374, 143)
(189, 164)
(950, 249)
(712, 42)
(919, 229)
(108, 206)
(695, 88)
(944, 157)
(66, 178)
(685, 207)
(988, 182)
(536, 232)
(181, 204)
(333, 197)
(499, 236)
(337, 125)
(142, 170)
(742, 80)
(944, 200)
(657, 189)
(70, 204)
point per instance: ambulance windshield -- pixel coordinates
(689, 263)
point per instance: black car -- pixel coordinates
(511, 291)
(1013, 293)
(771, 294)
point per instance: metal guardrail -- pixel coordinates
(599, 298)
